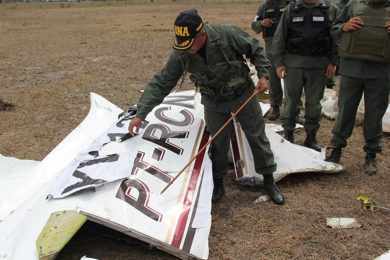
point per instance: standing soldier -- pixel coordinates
(213, 54)
(266, 21)
(305, 55)
(364, 27)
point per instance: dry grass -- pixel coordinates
(53, 56)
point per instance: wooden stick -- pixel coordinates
(234, 114)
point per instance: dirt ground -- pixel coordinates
(53, 55)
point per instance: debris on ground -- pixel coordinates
(369, 204)
(88, 258)
(262, 198)
(342, 223)
(5, 106)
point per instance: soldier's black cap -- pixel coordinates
(187, 24)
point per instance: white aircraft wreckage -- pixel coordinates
(43, 204)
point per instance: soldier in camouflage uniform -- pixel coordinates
(266, 20)
(340, 4)
(213, 55)
(304, 53)
(364, 28)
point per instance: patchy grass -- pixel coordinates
(52, 57)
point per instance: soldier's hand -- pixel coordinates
(353, 24)
(262, 84)
(330, 71)
(281, 72)
(266, 22)
(388, 26)
(134, 125)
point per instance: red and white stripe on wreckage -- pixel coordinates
(184, 233)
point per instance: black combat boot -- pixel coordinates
(289, 135)
(370, 164)
(219, 189)
(273, 190)
(311, 141)
(274, 114)
(333, 154)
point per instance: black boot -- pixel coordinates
(219, 189)
(311, 141)
(333, 154)
(274, 114)
(370, 164)
(273, 190)
(289, 135)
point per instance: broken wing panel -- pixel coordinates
(290, 158)
(14, 175)
(177, 222)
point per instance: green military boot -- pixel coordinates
(289, 135)
(273, 190)
(274, 114)
(333, 154)
(311, 141)
(370, 164)
(219, 190)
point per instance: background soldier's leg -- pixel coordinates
(293, 91)
(276, 93)
(351, 90)
(376, 100)
(314, 91)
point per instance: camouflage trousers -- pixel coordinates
(252, 123)
(376, 100)
(312, 81)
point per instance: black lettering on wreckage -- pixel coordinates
(159, 134)
(85, 179)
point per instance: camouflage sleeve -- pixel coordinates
(341, 4)
(279, 40)
(256, 23)
(343, 16)
(160, 85)
(333, 13)
(246, 45)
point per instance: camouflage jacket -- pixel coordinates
(358, 68)
(222, 75)
(279, 45)
(272, 9)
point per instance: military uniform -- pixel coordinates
(272, 9)
(364, 68)
(340, 3)
(303, 44)
(222, 76)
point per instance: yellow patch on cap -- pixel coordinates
(182, 31)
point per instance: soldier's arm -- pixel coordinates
(343, 16)
(279, 40)
(256, 23)
(160, 85)
(333, 14)
(246, 45)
